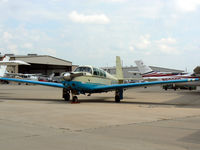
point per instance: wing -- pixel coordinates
(102, 88)
(60, 85)
(130, 85)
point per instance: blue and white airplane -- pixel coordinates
(88, 79)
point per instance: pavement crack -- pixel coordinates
(138, 123)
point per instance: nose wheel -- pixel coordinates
(75, 100)
(66, 94)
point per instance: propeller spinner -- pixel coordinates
(69, 76)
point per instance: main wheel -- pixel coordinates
(117, 98)
(67, 96)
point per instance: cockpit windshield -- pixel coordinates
(83, 69)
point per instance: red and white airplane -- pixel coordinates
(148, 74)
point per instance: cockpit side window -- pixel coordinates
(99, 72)
(96, 71)
(104, 74)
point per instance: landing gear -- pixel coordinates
(67, 97)
(117, 98)
(118, 95)
(66, 94)
(75, 99)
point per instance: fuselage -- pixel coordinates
(166, 76)
(148, 74)
(94, 75)
(90, 77)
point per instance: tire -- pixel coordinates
(117, 99)
(74, 99)
(67, 97)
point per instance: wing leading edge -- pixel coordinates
(59, 85)
(130, 85)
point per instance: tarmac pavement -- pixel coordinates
(36, 117)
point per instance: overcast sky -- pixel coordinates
(163, 33)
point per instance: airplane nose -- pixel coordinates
(67, 76)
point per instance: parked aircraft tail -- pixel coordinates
(143, 69)
(3, 67)
(119, 72)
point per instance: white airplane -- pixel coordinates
(148, 74)
(6, 61)
(88, 79)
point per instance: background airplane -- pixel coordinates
(6, 61)
(89, 79)
(148, 74)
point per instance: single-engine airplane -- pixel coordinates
(88, 79)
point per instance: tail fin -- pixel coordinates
(119, 72)
(143, 69)
(4, 67)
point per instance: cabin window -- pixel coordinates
(99, 72)
(96, 71)
(83, 69)
(104, 74)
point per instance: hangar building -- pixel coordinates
(43, 64)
